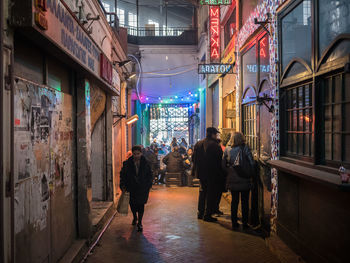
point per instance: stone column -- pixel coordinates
(109, 148)
(84, 159)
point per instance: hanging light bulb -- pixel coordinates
(159, 98)
(196, 95)
(147, 98)
(176, 97)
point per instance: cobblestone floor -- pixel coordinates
(172, 233)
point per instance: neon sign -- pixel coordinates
(214, 32)
(262, 48)
(253, 68)
(215, 69)
(215, 2)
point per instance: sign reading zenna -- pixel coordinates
(65, 31)
(215, 69)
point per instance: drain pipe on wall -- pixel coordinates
(98, 238)
(2, 238)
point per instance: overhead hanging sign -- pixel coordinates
(215, 2)
(214, 15)
(215, 69)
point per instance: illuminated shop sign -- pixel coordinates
(215, 69)
(253, 68)
(214, 33)
(106, 69)
(215, 2)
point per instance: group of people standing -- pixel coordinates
(217, 170)
(220, 171)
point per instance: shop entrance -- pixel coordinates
(169, 121)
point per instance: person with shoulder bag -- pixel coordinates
(240, 166)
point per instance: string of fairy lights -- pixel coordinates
(188, 97)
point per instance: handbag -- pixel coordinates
(123, 204)
(241, 165)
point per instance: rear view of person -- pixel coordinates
(136, 178)
(207, 158)
(174, 162)
(239, 164)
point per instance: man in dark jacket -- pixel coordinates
(207, 159)
(174, 161)
(136, 178)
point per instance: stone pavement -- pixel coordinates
(172, 233)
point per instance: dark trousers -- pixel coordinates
(207, 200)
(184, 179)
(137, 211)
(244, 205)
(162, 176)
(218, 200)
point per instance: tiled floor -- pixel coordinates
(172, 233)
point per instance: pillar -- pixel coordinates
(84, 159)
(109, 148)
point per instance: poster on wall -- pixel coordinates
(98, 103)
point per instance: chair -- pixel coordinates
(172, 179)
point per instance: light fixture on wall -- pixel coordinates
(129, 120)
(264, 100)
(132, 119)
(121, 63)
(129, 76)
(133, 75)
(264, 23)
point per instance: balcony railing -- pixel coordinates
(156, 31)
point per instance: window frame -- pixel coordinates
(319, 69)
(259, 81)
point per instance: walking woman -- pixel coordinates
(136, 178)
(239, 164)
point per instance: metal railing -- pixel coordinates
(156, 31)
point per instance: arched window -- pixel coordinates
(249, 118)
(314, 91)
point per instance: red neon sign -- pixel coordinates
(214, 32)
(262, 48)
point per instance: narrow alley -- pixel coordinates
(172, 233)
(167, 108)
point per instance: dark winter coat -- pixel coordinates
(137, 185)
(234, 182)
(207, 158)
(152, 160)
(174, 162)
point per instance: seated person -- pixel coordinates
(188, 164)
(174, 162)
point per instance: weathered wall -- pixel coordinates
(43, 172)
(98, 160)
